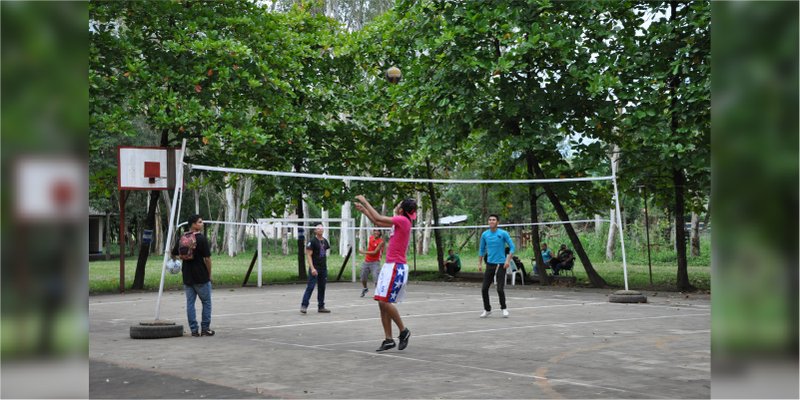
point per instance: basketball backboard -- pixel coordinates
(147, 168)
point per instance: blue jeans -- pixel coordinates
(322, 279)
(202, 290)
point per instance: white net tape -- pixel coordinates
(382, 179)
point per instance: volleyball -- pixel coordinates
(393, 74)
(173, 266)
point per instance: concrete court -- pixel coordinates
(557, 343)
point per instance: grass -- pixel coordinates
(230, 272)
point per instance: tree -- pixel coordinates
(664, 131)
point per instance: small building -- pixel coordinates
(97, 233)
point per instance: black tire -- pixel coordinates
(156, 331)
(627, 298)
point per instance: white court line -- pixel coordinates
(674, 306)
(407, 316)
(292, 310)
(376, 354)
(556, 324)
(116, 302)
(238, 296)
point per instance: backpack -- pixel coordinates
(186, 246)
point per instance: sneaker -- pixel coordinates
(364, 292)
(386, 345)
(207, 332)
(404, 335)
(195, 334)
(324, 310)
(505, 313)
(485, 314)
(303, 309)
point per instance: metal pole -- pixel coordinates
(172, 213)
(647, 234)
(619, 223)
(122, 236)
(353, 261)
(258, 232)
(414, 234)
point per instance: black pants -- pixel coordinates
(488, 278)
(451, 268)
(560, 266)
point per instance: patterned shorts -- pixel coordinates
(391, 283)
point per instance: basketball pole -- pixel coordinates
(171, 230)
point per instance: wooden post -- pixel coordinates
(344, 264)
(123, 196)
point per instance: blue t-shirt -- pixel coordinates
(494, 244)
(546, 256)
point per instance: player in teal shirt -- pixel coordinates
(493, 245)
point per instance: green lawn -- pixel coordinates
(227, 271)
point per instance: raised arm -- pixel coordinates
(376, 218)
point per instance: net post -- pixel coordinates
(171, 230)
(260, 254)
(355, 251)
(619, 224)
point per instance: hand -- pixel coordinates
(359, 207)
(505, 266)
(480, 268)
(313, 271)
(361, 199)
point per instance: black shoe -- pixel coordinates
(404, 335)
(207, 332)
(386, 345)
(195, 334)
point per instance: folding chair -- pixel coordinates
(514, 271)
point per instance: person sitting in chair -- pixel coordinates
(547, 256)
(564, 261)
(453, 263)
(517, 263)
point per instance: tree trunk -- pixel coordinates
(285, 233)
(363, 233)
(301, 242)
(612, 232)
(159, 239)
(544, 279)
(325, 215)
(484, 201)
(437, 233)
(107, 235)
(678, 179)
(680, 235)
(196, 193)
(426, 233)
(144, 249)
(420, 214)
(215, 234)
(594, 277)
(230, 216)
(167, 202)
(695, 235)
(345, 235)
(242, 229)
(598, 225)
(301, 248)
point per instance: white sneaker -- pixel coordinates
(485, 314)
(505, 313)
